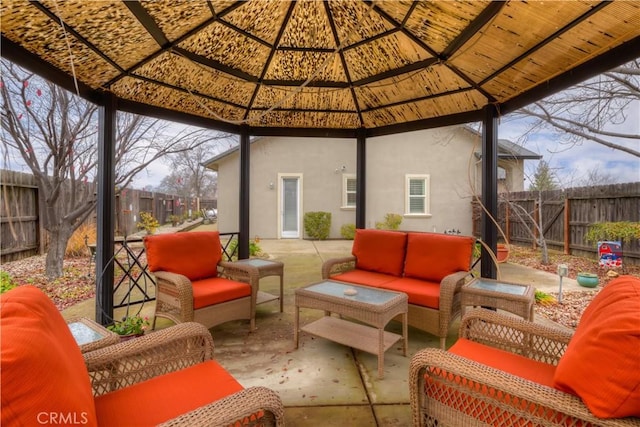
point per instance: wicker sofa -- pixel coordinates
(194, 284)
(510, 372)
(168, 376)
(429, 267)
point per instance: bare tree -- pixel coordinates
(188, 177)
(54, 133)
(590, 110)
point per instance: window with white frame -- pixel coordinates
(349, 185)
(417, 195)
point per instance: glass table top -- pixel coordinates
(495, 286)
(256, 262)
(84, 334)
(345, 290)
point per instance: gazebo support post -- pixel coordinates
(243, 237)
(361, 178)
(105, 208)
(489, 189)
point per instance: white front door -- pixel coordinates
(290, 206)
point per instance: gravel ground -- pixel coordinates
(76, 285)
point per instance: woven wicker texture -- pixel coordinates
(342, 64)
(447, 389)
(171, 349)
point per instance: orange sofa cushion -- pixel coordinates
(602, 361)
(381, 251)
(419, 292)
(43, 376)
(165, 397)
(432, 256)
(213, 291)
(363, 277)
(193, 254)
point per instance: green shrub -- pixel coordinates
(254, 249)
(626, 231)
(391, 222)
(348, 231)
(6, 282)
(317, 224)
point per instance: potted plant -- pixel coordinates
(588, 280)
(148, 222)
(130, 326)
(174, 219)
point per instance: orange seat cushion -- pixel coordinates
(194, 254)
(44, 379)
(363, 277)
(514, 364)
(419, 292)
(213, 291)
(602, 361)
(381, 251)
(167, 396)
(432, 256)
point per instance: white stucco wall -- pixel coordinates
(442, 153)
(315, 159)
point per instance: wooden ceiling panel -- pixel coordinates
(434, 80)
(230, 48)
(177, 71)
(438, 23)
(302, 65)
(309, 98)
(505, 38)
(50, 42)
(302, 119)
(178, 17)
(383, 54)
(260, 19)
(161, 96)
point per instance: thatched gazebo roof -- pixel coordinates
(274, 66)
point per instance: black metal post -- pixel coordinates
(489, 189)
(361, 179)
(243, 236)
(105, 209)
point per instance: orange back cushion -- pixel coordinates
(44, 379)
(432, 256)
(602, 361)
(381, 251)
(192, 254)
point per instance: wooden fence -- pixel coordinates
(22, 232)
(566, 216)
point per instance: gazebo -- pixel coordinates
(340, 68)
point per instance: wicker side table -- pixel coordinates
(90, 335)
(267, 268)
(515, 298)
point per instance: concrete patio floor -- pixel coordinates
(321, 382)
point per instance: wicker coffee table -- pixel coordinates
(515, 298)
(374, 307)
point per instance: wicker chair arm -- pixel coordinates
(344, 264)
(533, 340)
(156, 353)
(451, 284)
(472, 391)
(181, 283)
(241, 272)
(237, 409)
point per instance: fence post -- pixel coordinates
(567, 226)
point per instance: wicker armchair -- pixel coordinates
(168, 376)
(449, 389)
(194, 284)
